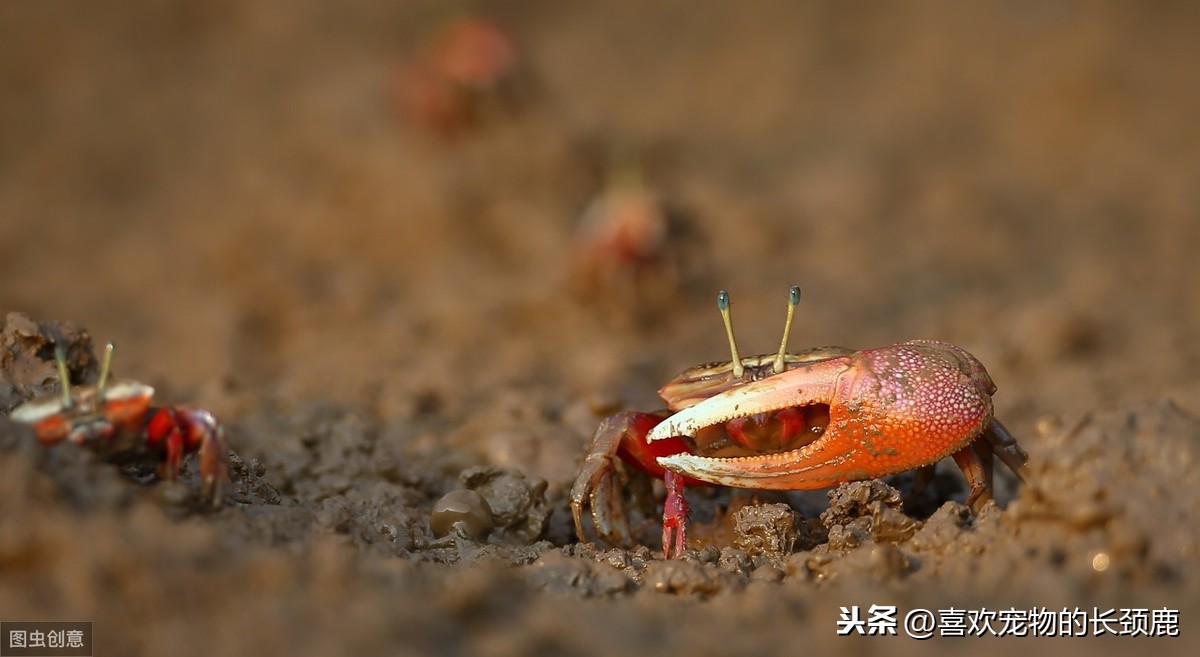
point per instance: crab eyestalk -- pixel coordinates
(64, 377)
(105, 368)
(723, 306)
(793, 301)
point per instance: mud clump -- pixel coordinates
(27, 368)
(518, 503)
(866, 511)
(690, 577)
(559, 573)
(875, 563)
(736, 561)
(765, 532)
(942, 529)
(247, 482)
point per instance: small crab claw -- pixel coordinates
(891, 409)
(179, 430)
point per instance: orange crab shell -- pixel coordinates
(119, 410)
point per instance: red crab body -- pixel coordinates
(117, 423)
(469, 63)
(801, 421)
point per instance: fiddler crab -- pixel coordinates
(799, 421)
(116, 422)
(621, 235)
(468, 65)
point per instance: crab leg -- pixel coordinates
(978, 472)
(608, 510)
(1006, 447)
(675, 512)
(213, 453)
(599, 480)
(177, 430)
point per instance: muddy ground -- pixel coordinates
(382, 310)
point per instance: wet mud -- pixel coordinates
(385, 312)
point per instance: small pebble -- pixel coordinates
(462, 507)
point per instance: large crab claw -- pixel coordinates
(892, 409)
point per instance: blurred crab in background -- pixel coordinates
(633, 250)
(621, 234)
(116, 422)
(467, 64)
(799, 421)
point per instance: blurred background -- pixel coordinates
(263, 194)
